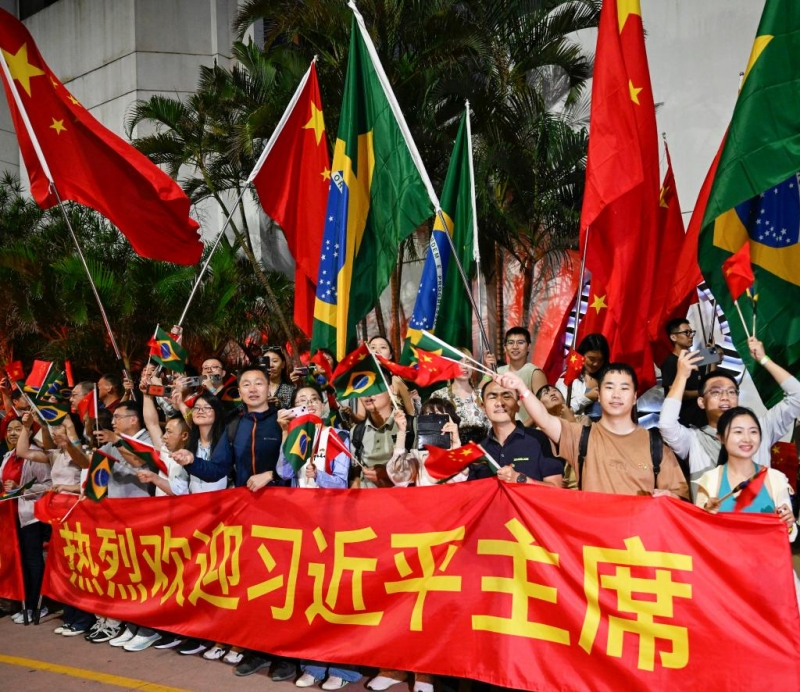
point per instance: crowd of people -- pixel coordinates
(582, 436)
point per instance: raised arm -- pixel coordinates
(24, 442)
(550, 425)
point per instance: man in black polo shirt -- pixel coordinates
(523, 453)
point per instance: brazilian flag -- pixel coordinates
(377, 198)
(99, 476)
(357, 375)
(167, 352)
(755, 197)
(53, 413)
(299, 444)
(229, 394)
(56, 385)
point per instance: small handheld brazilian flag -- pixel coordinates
(299, 445)
(52, 413)
(96, 487)
(357, 375)
(167, 352)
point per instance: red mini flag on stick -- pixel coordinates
(750, 489)
(334, 448)
(88, 405)
(443, 463)
(15, 371)
(62, 143)
(738, 271)
(575, 363)
(292, 179)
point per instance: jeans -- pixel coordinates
(79, 619)
(319, 670)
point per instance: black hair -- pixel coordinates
(518, 330)
(217, 427)
(114, 381)
(671, 326)
(252, 368)
(486, 384)
(546, 388)
(724, 423)
(285, 369)
(133, 407)
(716, 373)
(381, 336)
(440, 406)
(595, 342)
(332, 356)
(619, 368)
(104, 421)
(305, 385)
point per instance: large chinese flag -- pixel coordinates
(671, 237)
(292, 179)
(88, 163)
(619, 216)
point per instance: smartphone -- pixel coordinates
(158, 390)
(301, 370)
(710, 356)
(429, 431)
(215, 379)
(299, 410)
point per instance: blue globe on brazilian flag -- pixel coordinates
(299, 444)
(357, 375)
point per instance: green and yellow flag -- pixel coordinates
(357, 375)
(378, 196)
(100, 468)
(299, 444)
(167, 352)
(441, 284)
(755, 197)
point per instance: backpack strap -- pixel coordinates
(656, 452)
(357, 440)
(583, 448)
(231, 428)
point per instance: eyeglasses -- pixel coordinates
(306, 402)
(202, 409)
(212, 368)
(687, 332)
(519, 342)
(117, 416)
(717, 393)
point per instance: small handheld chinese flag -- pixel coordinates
(750, 489)
(443, 463)
(334, 447)
(738, 271)
(575, 363)
(15, 371)
(784, 459)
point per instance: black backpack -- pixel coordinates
(656, 452)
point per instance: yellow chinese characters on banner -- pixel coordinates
(435, 587)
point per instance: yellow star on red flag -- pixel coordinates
(58, 126)
(21, 70)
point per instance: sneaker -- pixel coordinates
(192, 646)
(283, 670)
(306, 680)
(250, 664)
(214, 653)
(169, 641)
(73, 631)
(103, 634)
(123, 638)
(60, 629)
(42, 613)
(334, 682)
(233, 657)
(383, 682)
(19, 618)
(421, 686)
(141, 641)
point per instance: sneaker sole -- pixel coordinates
(254, 670)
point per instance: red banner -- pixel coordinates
(520, 586)
(11, 584)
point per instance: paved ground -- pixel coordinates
(34, 659)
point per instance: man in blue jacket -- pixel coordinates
(249, 447)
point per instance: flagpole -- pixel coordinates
(263, 157)
(46, 169)
(476, 253)
(741, 317)
(578, 303)
(385, 381)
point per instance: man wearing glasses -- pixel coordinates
(719, 392)
(517, 344)
(681, 336)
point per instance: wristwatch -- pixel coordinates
(522, 478)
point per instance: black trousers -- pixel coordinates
(31, 545)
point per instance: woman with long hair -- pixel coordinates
(280, 387)
(466, 400)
